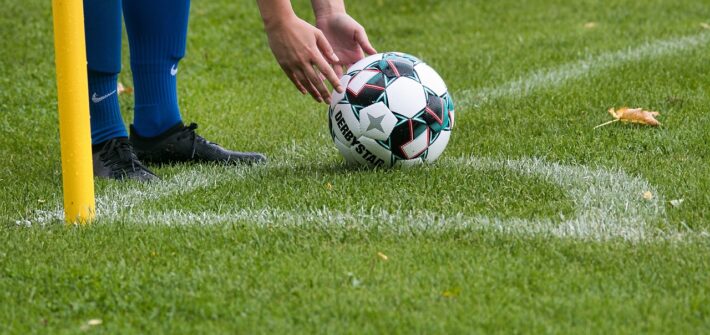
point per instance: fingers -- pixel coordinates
(314, 72)
(326, 49)
(305, 82)
(321, 89)
(316, 95)
(296, 83)
(329, 73)
(309, 63)
(338, 71)
(322, 64)
(311, 79)
(361, 38)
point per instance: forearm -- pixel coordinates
(274, 12)
(323, 8)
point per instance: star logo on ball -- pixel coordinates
(375, 123)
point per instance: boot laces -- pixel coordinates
(119, 156)
(189, 131)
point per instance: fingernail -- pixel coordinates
(335, 57)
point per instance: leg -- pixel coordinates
(157, 31)
(113, 156)
(102, 21)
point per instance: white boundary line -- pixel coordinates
(556, 77)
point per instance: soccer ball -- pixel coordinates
(395, 111)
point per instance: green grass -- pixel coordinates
(501, 193)
(245, 276)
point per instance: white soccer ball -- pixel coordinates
(395, 111)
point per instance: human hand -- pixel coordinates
(304, 54)
(347, 37)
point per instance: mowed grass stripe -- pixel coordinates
(552, 78)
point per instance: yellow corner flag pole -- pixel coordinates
(74, 128)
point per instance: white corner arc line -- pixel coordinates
(558, 76)
(609, 205)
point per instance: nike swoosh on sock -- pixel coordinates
(95, 99)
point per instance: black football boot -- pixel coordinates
(182, 144)
(115, 159)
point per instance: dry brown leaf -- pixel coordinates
(633, 115)
(124, 89)
(705, 25)
(636, 115)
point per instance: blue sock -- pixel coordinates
(102, 21)
(157, 32)
(106, 120)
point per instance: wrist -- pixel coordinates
(277, 22)
(323, 10)
(275, 14)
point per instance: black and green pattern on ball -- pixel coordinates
(437, 112)
(404, 132)
(371, 93)
(410, 92)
